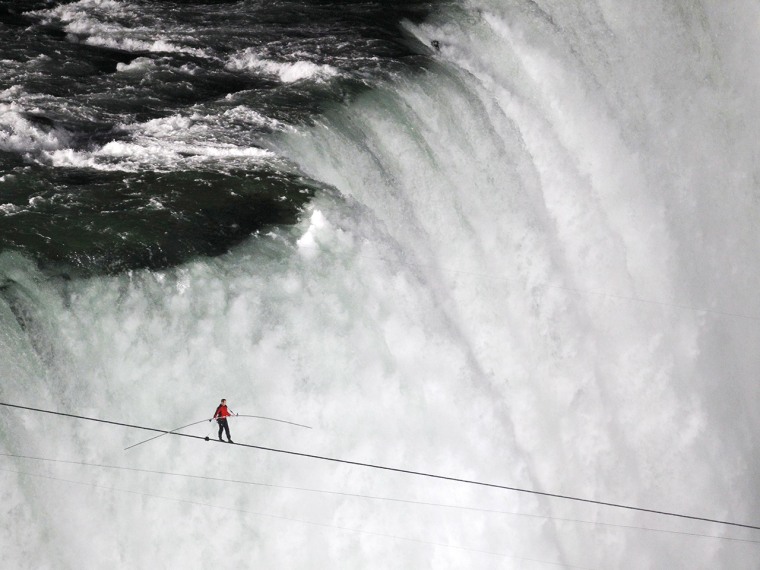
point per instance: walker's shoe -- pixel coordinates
(220, 439)
(230, 441)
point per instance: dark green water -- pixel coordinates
(134, 135)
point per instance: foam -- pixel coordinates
(17, 134)
(8, 209)
(85, 16)
(243, 114)
(177, 141)
(138, 45)
(74, 10)
(147, 154)
(97, 22)
(138, 65)
(287, 72)
(12, 93)
(167, 143)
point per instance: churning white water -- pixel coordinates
(538, 268)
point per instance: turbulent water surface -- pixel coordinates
(499, 240)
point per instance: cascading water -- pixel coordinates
(530, 262)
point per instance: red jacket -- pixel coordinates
(222, 411)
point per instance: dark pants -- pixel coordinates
(223, 426)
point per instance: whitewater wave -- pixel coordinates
(112, 24)
(137, 65)
(170, 143)
(285, 71)
(21, 135)
(197, 140)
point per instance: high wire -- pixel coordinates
(399, 470)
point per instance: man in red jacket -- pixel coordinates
(220, 415)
